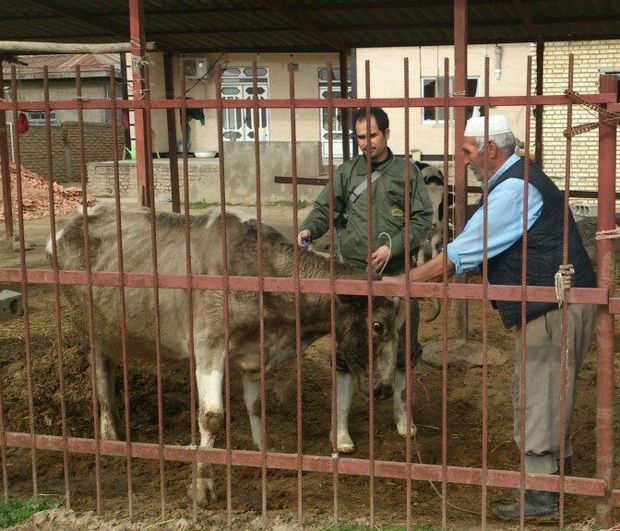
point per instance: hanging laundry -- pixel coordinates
(22, 123)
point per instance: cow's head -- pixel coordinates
(352, 338)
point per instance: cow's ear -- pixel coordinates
(400, 309)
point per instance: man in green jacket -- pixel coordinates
(388, 238)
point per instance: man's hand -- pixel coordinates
(380, 258)
(304, 239)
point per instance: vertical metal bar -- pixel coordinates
(407, 301)
(24, 283)
(485, 306)
(89, 288)
(344, 112)
(5, 476)
(190, 292)
(54, 264)
(444, 352)
(8, 224)
(564, 341)
(297, 299)
(4, 167)
(261, 296)
(138, 53)
(151, 189)
(371, 357)
(461, 316)
(523, 330)
(125, 97)
(173, 154)
(539, 109)
(606, 271)
(121, 292)
(332, 286)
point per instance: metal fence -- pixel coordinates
(408, 470)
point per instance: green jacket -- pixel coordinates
(388, 206)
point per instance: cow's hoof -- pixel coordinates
(205, 491)
(401, 426)
(344, 444)
(108, 430)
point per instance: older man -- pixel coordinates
(388, 238)
(543, 320)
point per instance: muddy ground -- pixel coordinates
(464, 424)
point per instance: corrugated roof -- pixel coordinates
(308, 25)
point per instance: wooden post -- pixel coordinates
(460, 175)
(172, 135)
(138, 51)
(4, 166)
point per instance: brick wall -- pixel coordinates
(66, 148)
(590, 58)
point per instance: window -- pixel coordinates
(337, 124)
(38, 118)
(433, 87)
(237, 83)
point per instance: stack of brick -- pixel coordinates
(35, 198)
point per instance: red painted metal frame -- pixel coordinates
(606, 261)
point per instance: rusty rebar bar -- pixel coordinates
(54, 265)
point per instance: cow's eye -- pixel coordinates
(377, 327)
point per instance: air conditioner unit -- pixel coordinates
(195, 67)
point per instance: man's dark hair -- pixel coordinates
(383, 122)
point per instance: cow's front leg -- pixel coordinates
(400, 404)
(344, 392)
(209, 376)
(109, 419)
(251, 396)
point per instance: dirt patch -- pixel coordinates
(464, 391)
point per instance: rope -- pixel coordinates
(390, 250)
(562, 281)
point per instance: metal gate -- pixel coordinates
(332, 465)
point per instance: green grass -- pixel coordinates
(16, 511)
(351, 526)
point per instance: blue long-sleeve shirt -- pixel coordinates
(505, 222)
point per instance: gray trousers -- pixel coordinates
(543, 383)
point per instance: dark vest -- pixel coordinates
(544, 249)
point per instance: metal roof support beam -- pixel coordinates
(172, 134)
(138, 51)
(308, 27)
(4, 167)
(539, 109)
(460, 174)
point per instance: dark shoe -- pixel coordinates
(568, 471)
(538, 504)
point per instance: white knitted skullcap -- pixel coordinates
(497, 126)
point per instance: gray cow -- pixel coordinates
(351, 311)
